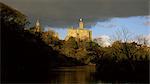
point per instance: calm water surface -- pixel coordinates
(75, 74)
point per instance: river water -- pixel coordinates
(84, 75)
(75, 74)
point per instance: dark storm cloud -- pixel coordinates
(62, 13)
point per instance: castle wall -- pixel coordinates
(72, 32)
(82, 34)
(79, 33)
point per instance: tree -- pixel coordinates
(141, 39)
(122, 35)
(50, 38)
(12, 18)
(122, 47)
(71, 43)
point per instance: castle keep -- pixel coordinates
(79, 33)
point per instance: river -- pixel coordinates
(75, 74)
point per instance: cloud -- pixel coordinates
(141, 39)
(65, 13)
(47, 28)
(147, 17)
(103, 40)
(147, 23)
(148, 37)
(148, 40)
(106, 24)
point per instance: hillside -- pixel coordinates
(25, 57)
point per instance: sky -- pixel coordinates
(138, 25)
(103, 17)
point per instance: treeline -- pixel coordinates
(83, 51)
(123, 62)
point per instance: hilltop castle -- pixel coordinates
(79, 33)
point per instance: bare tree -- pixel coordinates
(123, 35)
(141, 39)
(122, 39)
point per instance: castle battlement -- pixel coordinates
(79, 33)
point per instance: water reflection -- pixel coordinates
(76, 74)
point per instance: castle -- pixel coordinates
(79, 33)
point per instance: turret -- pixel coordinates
(81, 24)
(37, 23)
(37, 26)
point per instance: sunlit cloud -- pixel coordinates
(106, 24)
(48, 28)
(147, 23)
(103, 40)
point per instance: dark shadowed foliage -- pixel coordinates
(25, 57)
(23, 54)
(123, 62)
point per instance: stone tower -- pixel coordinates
(37, 26)
(81, 24)
(79, 33)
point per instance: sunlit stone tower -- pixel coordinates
(79, 33)
(81, 24)
(37, 26)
